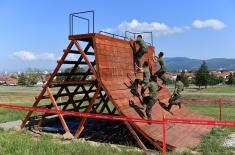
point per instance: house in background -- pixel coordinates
(7, 80)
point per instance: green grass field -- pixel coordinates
(214, 89)
(23, 142)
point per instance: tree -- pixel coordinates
(231, 79)
(30, 77)
(74, 77)
(22, 80)
(184, 79)
(213, 80)
(202, 76)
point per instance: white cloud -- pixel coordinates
(30, 56)
(46, 56)
(159, 28)
(209, 23)
(155, 27)
(108, 30)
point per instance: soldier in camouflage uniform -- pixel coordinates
(142, 50)
(160, 73)
(150, 100)
(176, 96)
(144, 82)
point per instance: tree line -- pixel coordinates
(204, 78)
(32, 76)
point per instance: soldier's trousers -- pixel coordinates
(149, 101)
(139, 55)
(174, 100)
(134, 87)
(160, 74)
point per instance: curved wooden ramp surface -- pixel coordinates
(114, 60)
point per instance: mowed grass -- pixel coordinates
(23, 142)
(213, 89)
(212, 144)
(228, 111)
(16, 98)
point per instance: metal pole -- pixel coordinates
(72, 26)
(93, 21)
(152, 38)
(163, 134)
(69, 24)
(88, 26)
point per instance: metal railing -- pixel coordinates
(77, 15)
(137, 33)
(113, 35)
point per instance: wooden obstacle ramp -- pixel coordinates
(103, 88)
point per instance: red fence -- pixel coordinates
(220, 102)
(164, 120)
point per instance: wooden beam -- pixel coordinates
(68, 77)
(56, 107)
(83, 120)
(85, 57)
(48, 82)
(76, 62)
(72, 83)
(65, 94)
(73, 74)
(78, 52)
(70, 99)
(141, 144)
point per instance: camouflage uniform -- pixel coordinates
(151, 99)
(176, 98)
(142, 50)
(162, 70)
(145, 81)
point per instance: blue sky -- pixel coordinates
(34, 33)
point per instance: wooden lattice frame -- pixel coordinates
(76, 104)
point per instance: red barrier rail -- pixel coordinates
(164, 120)
(120, 118)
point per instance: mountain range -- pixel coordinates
(182, 63)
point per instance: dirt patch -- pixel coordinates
(230, 141)
(11, 125)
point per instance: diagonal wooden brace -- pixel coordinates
(48, 82)
(66, 129)
(83, 120)
(141, 144)
(85, 58)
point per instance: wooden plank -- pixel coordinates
(113, 75)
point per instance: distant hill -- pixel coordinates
(177, 63)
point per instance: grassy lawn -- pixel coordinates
(212, 143)
(209, 89)
(215, 89)
(23, 142)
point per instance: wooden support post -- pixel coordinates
(48, 82)
(69, 76)
(83, 120)
(141, 144)
(56, 107)
(85, 57)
